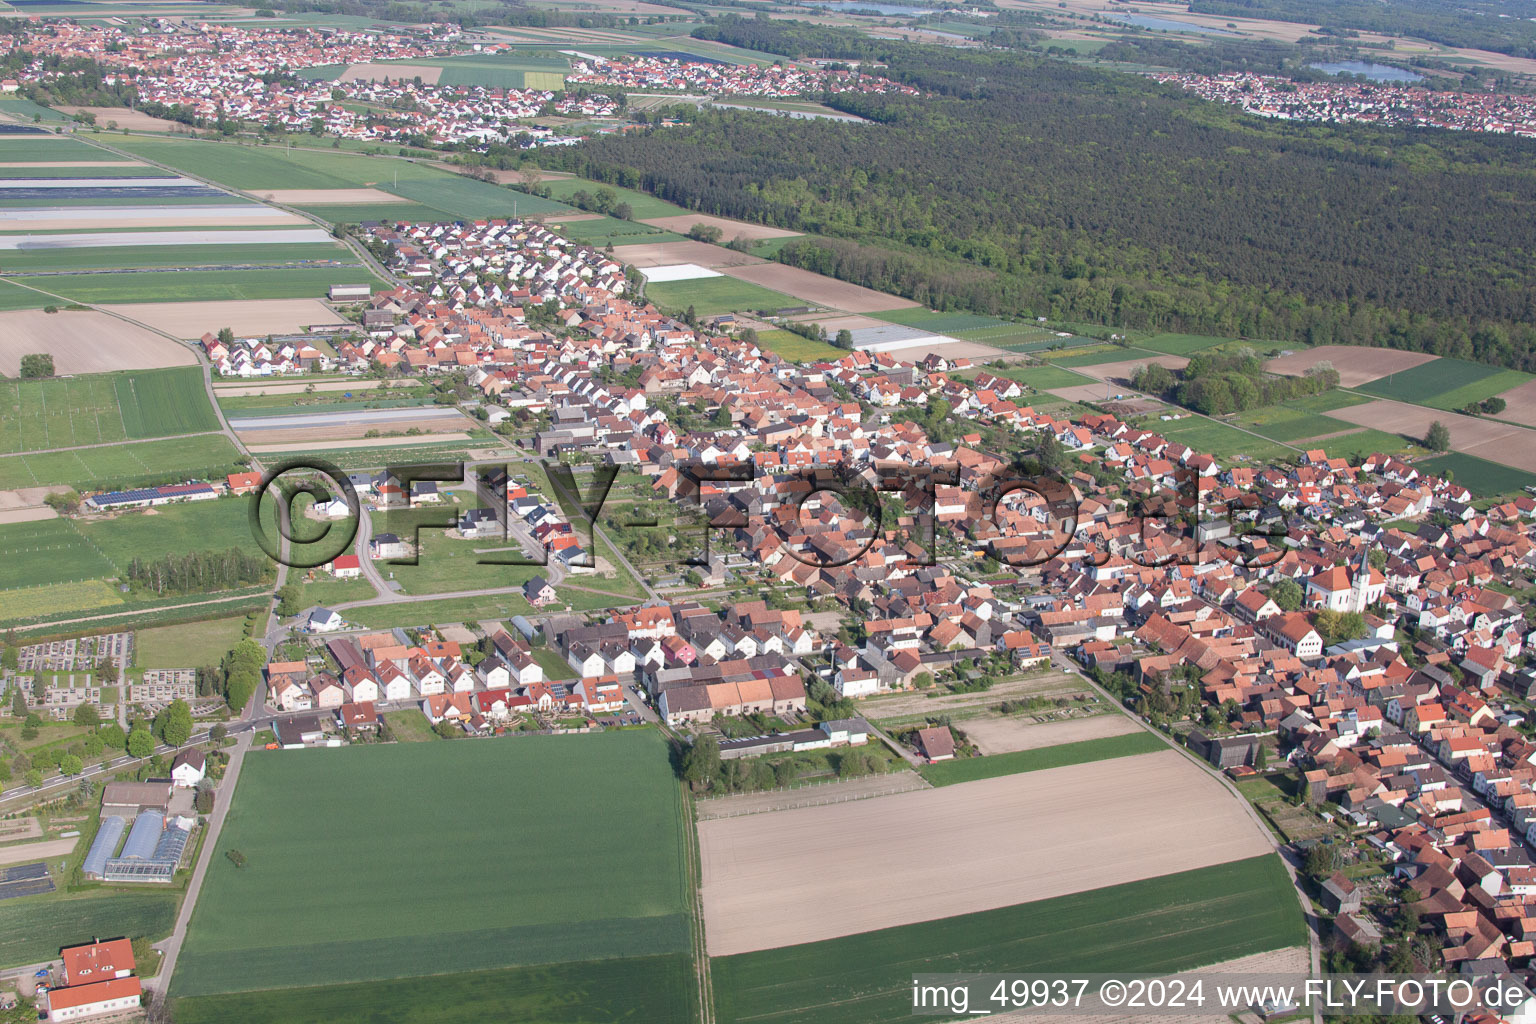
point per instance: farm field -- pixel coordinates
(469, 918)
(646, 988)
(1022, 834)
(940, 322)
(1356, 365)
(122, 465)
(43, 149)
(57, 600)
(1183, 344)
(1483, 478)
(1446, 383)
(713, 295)
(185, 286)
(32, 928)
(611, 231)
(216, 525)
(970, 769)
(1218, 439)
(253, 168)
(189, 645)
(814, 289)
(14, 297)
(644, 205)
(1164, 924)
(51, 550)
(123, 257)
(1505, 443)
(80, 341)
(1041, 378)
(997, 734)
(797, 349)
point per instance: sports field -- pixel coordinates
(1164, 924)
(100, 408)
(32, 928)
(711, 295)
(969, 769)
(565, 848)
(51, 550)
(122, 465)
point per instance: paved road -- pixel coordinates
(171, 947)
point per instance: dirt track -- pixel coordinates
(958, 849)
(84, 341)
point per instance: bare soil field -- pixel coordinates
(36, 851)
(19, 828)
(1092, 393)
(24, 498)
(84, 341)
(835, 322)
(61, 219)
(729, 229)
(1002, 734)
(1293, 962)
(568, 218)
(1503, 443)
(137, 120)
(891, 860)
(956, 350)
(811, 796)
(1521, 405)
(243, 316)
(1121, 372)
(35, 513)
(664, 254)
(823, 291)
(296, 196)
(377, 72)
(1356, 365)
(325, 439)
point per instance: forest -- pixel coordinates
(1030, 187)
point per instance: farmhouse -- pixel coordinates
(189, 768)
(78, 1002)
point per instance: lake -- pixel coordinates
(1163, 24)
(1375, 72)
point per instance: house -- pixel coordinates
(1341, 895)
(189, 768)
(97, 961)
(1294, 632)
(345, 567)
(329, 693)
(387, 545)
(357, 717)
(936, 743)
(323, 620)
(539, 593)
(77, 1002)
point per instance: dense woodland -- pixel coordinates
(1026, 187)
(199, 571)
(1218, 383)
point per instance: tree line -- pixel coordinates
(1023, 187)
(198, 571)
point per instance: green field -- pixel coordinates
(1357, 444)
(466, 197)
(187, 286)
(369, 212)
(711, 295)
(565, 848)
(14, 296)
(44, 149)
(1162, 925)
(33, 928)
(60, 412)
(119, 257)
(969, 769)
(1484, 478)
(122, 465)
(156, 403)
(1093, 355)
(51, 550)
(154, 533)
(1445, 383)
(1015, 337)
(644, 205)
(612, 231)
(410, 726)
(189, 645)
(254, 168)
(1218, 439)
(1181, 344)
(636, 989)
(798, 349)
(939, 322)
(46, 170)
